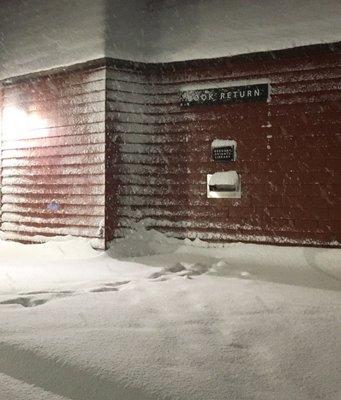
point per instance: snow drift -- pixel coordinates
(190, 321)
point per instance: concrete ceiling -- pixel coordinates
(40, 34)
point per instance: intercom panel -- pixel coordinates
(224, 150)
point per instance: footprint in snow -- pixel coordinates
(110, 287)
(42, 292)
(25, 301)
(34, 299)
(180, 269)
(38, 298)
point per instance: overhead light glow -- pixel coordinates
(17, 122)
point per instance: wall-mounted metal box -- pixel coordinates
(224, 185)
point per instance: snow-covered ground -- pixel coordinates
(156, 318)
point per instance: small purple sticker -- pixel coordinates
(53, 206)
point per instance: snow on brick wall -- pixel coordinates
(288, 149)
(53, 171)
(130, 102)
(1, 102)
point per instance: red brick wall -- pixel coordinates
(118, 148)
(53, 177)
(288, 149)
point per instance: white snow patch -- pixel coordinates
(226, 178)
(223, 143)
